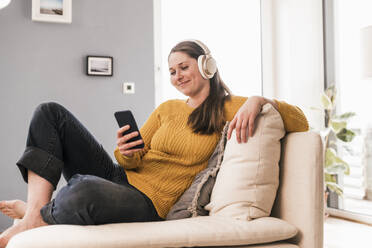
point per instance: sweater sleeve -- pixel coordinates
(147, 131)
(293, 118)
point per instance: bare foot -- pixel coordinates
(23, 225)
(14, 209)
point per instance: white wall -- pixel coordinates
(293, 54)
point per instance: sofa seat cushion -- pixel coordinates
(269, 245)
(198, 231)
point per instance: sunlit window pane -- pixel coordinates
(230, 29)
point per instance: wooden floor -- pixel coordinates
(340, 233)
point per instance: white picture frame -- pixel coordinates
(52, 11)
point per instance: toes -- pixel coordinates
(4, 211)
(11, 214)
(4, 204)
(7, 212)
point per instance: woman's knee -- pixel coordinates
(51, 111)
(47, 106)
(79, 189)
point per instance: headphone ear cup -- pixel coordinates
(210, 67)
(207, 66)
(201, 60)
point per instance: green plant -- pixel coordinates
(335, 131)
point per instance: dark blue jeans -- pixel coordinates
(97, 190)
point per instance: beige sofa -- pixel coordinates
(297, 212)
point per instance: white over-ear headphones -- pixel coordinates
(206, 63)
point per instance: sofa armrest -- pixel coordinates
(300, 199)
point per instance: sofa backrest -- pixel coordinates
(300, 197)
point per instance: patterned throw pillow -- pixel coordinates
(193, 200)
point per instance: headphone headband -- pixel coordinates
(202, 45)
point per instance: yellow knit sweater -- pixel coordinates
(174, 155)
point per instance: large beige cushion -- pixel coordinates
(198, 231)
(248, 179)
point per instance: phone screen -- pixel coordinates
(126, 118)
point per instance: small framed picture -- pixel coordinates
(52, 11)
(99, 66)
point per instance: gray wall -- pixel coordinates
(42, 62)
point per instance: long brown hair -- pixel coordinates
(208, 117)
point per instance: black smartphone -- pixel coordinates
(126, 118)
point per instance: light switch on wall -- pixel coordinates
(128, 88)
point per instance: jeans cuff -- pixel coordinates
(42, 163)
(46, 213)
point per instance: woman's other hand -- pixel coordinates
(121, 141)
(243, 120)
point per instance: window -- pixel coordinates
(349, 17)
(230, 29)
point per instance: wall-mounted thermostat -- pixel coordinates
(128, 88)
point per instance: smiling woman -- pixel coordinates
(186, 78)
(193, 72)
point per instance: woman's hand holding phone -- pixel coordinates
(125, 147)
(129, 139)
